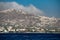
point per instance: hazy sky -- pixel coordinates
(49, 7)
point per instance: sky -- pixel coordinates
(49, 7)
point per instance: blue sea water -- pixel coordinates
(29, 36)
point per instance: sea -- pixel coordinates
(29, 36)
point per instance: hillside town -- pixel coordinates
(13, 21)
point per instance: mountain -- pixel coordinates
(13, 5)
(22, 21)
